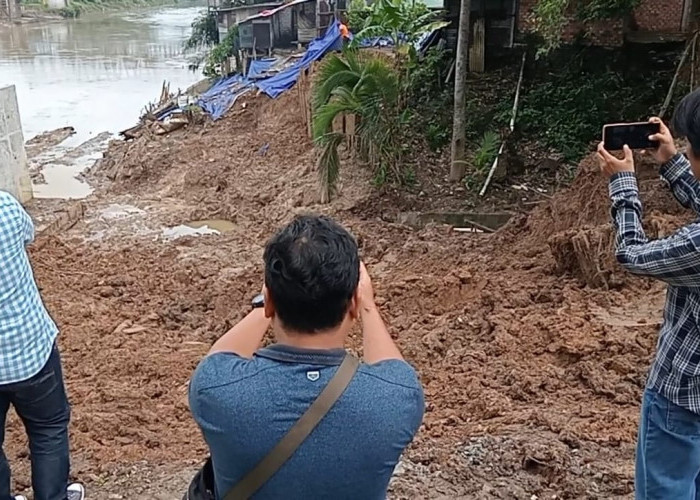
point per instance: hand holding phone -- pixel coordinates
(666, 149)
(611, 165)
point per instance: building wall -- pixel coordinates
(662, 16)
(14, 176)
(659, 15)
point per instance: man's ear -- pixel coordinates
(269, 305)
(354, 308)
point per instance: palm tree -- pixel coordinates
(366, 86)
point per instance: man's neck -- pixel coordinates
(321, 341)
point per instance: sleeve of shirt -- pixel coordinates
(683, 184)
(674, 260)
(211, 372)
(403, 374)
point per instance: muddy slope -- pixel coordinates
(532, 378)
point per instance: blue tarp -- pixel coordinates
(258, 67)
(223, 94)
(377, 41)
(285, 80)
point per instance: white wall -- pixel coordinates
(14, 175)
(56, 4)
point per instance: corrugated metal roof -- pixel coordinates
(272, 12)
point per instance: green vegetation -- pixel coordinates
(357, 15)
(401, 20)
(205, 32)
(565, 108)
(205, 35)
(551, 16)
(568, 93)
(220, 54)
(379, 91)
(486, 151)
(368, 87)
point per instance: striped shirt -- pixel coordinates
(27, 332)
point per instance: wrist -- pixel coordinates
(367, 306)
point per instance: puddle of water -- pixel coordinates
(61, 166)
(117, 211)
(219, 225)
(62, 182)
(173, 233)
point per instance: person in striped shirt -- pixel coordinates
(668, 444)
(31, 379)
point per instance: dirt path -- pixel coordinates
(532, 379)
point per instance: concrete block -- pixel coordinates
(14, 174)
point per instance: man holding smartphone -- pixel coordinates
(668, 446)
(246, 398)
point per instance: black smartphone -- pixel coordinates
(635, 135)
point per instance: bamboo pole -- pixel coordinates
(693, 65)
(669, 96)
(511, 127)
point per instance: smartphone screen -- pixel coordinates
(635, 135)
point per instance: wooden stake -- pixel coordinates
(458, 150)
(669, 96)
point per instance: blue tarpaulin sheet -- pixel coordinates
(285, 80)
(258, 67)
(377, 41)
(223, 94)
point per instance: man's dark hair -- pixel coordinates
(312, 269)
(686, 120)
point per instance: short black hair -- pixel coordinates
(686, 120)
(312, 269)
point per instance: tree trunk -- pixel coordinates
(459, 126)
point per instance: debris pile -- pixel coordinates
(576, 223)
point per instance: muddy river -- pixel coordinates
(95, 74)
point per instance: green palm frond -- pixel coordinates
(367, 87)
(329, 165)
(342, 102)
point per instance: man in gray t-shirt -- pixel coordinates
(245, 398)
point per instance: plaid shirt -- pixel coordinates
(675, 260)
(27, 332)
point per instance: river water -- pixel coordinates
(95, 73)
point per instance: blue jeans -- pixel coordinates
(668, 451)
(42, 405)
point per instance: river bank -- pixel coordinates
(39, 12)
(94, 74)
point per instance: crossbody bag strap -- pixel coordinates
(286, 447)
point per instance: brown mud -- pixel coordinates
(532, 379)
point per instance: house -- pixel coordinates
(229, 16)
(263, 27)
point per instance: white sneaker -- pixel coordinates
(76, 491)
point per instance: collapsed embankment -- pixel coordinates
(532, 379)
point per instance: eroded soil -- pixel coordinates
(532, 379)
